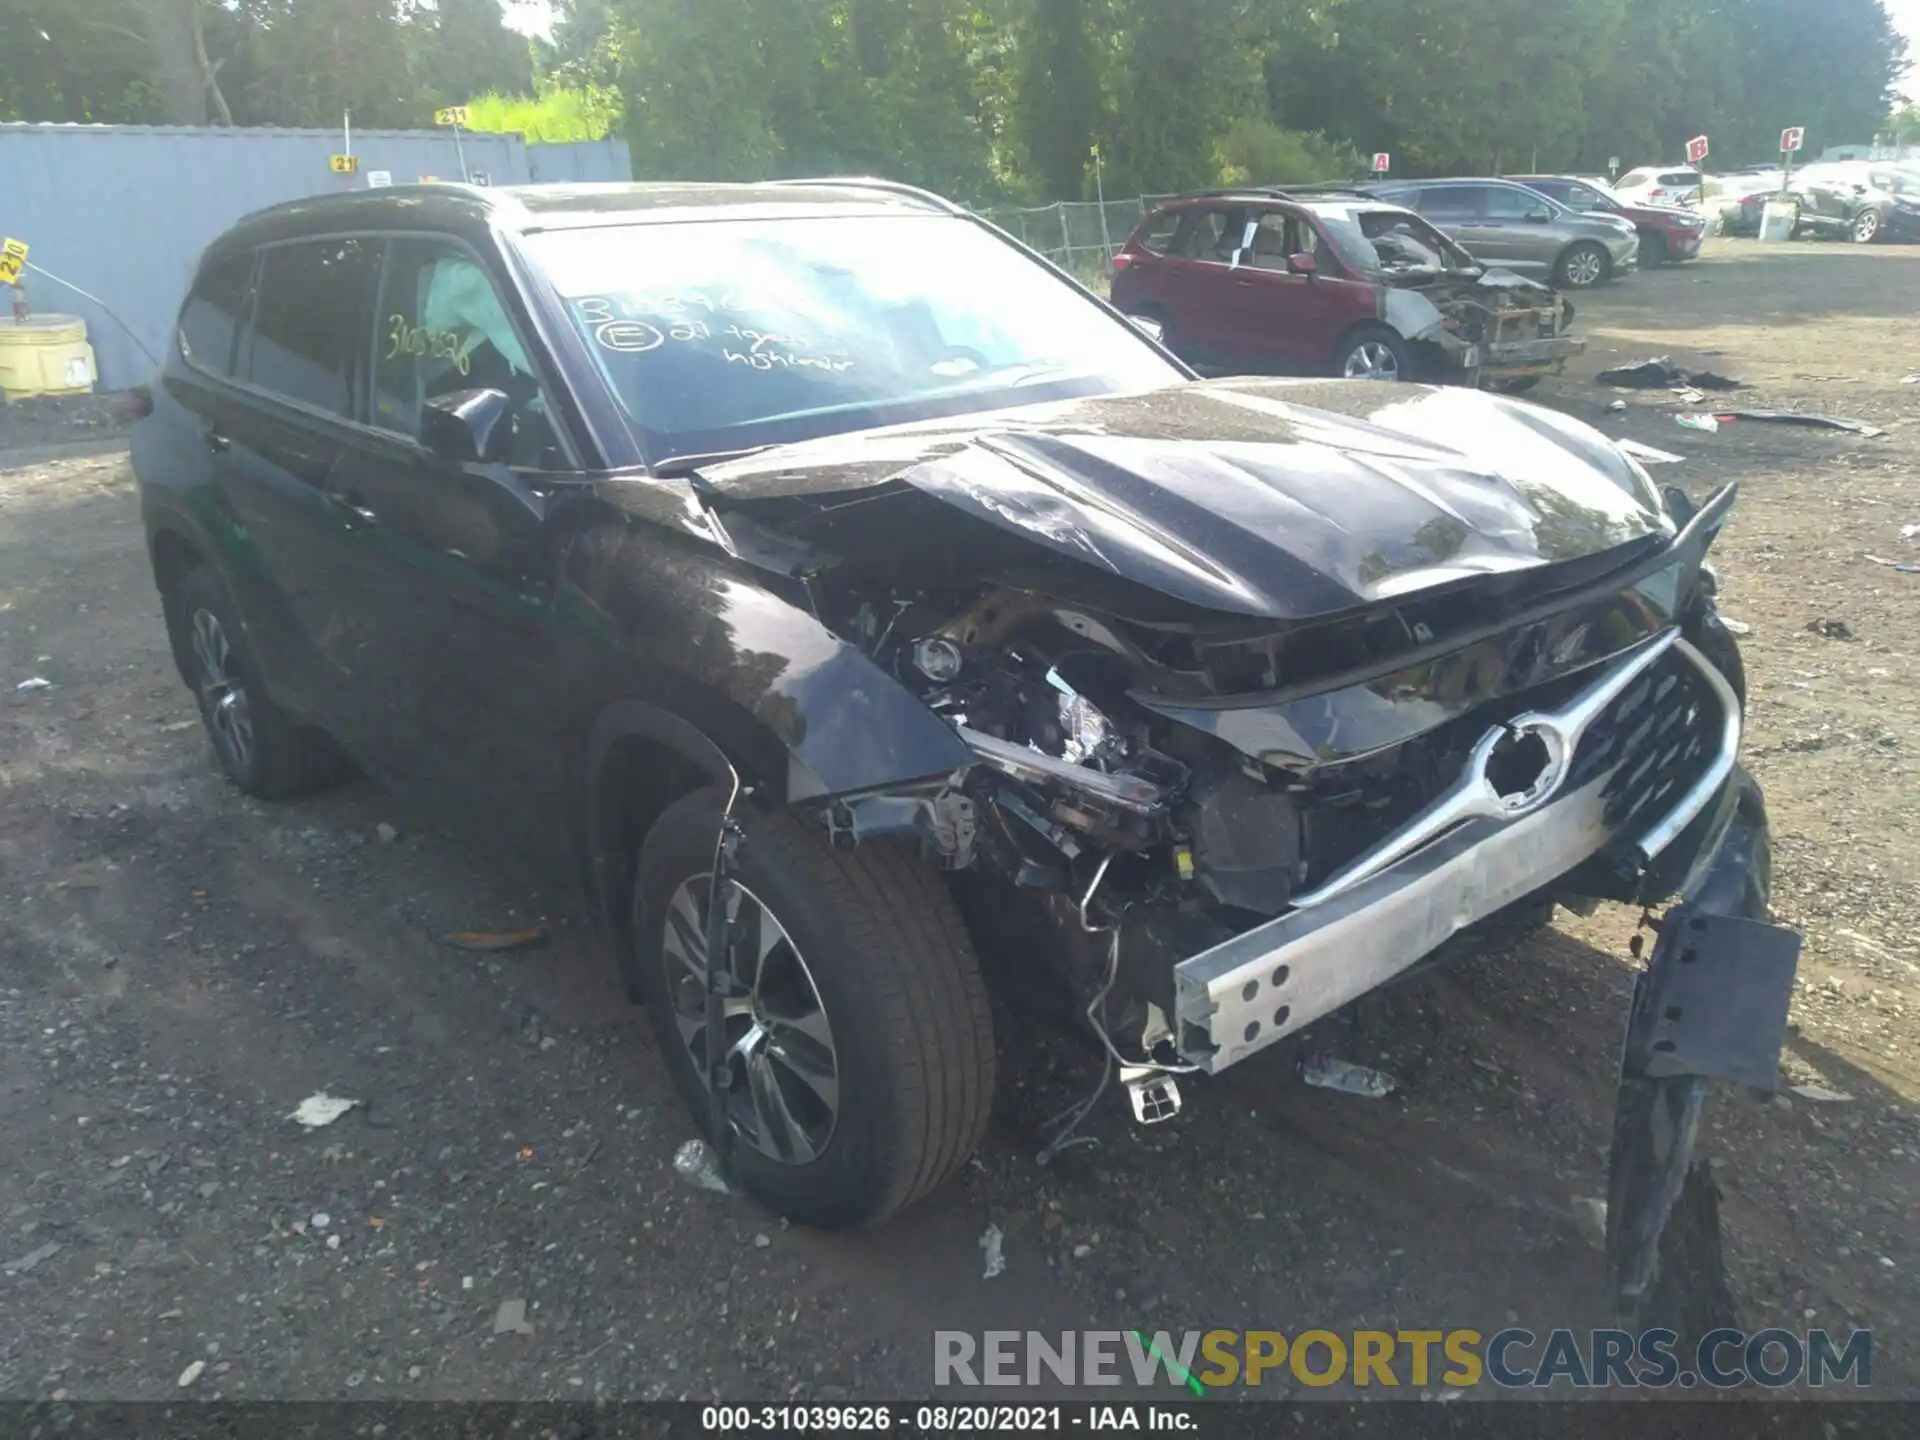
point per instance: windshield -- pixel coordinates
(724, 336)
(1391, 242)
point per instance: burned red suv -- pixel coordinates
(1334, 283)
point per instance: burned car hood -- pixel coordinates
(1283, 500)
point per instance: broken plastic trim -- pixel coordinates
(1129, 792)
(1473, 795)
(726, 851)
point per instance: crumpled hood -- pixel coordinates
(1285, 500)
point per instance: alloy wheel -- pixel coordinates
(217, 674)
(1372, 360)
(1866, 225)
(1584, 267)
(783, 1075)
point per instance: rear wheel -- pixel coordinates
(856, 1026)
(1519, 385)
(1373, 352)
(262, 751)
(1866, 227)
(1653, 249)
(1582, 264)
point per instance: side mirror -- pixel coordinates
(1152, 329)
(1302, 263)
(473, 427)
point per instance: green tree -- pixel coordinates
(1057, 95)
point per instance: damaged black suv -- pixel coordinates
(816, 546)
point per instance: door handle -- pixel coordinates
(218, 443)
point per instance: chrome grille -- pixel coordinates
(1659, 738)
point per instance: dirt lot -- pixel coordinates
(180, 966)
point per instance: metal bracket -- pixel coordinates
(726, 860)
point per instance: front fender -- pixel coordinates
(804, 713)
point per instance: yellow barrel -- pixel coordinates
(45, 355)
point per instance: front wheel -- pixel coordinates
(1581, 265)
(1373, 352)
(1866, 227)
(855, 1024)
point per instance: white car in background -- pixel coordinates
(1660, 185)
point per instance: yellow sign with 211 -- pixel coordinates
(344, 164)
(452, 115)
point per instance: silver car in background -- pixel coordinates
(1508, 225)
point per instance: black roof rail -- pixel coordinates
(874, 182)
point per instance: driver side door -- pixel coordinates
(467, 542)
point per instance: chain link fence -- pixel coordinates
(1077, 235)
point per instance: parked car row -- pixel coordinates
(1341, 283)
(1859, 200)
(1451, 278)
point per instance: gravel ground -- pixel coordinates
(180, 966)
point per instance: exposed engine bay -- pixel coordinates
(1491, 320)
(1256, 725)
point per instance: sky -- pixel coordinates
(1905, 15)
(535, 17)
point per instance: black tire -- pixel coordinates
(280, 760)
(1370, 347)
(1866, 227)
(1519, 385)
(1653, 249)
(1575, 261)
(911, 1032)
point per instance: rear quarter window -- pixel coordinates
(215, 312)
(312, 323)
(1157, 233)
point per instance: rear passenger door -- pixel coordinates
(1201, 302)
(1461, 211)
(298, 365)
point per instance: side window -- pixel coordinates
(215, 312)
(1303, 239)
(308, 341)
(443, 329)
(1158, 233)
(1453, 202)
(1678, 177)
(1270, 242)
(1215, 234)
(1509, 202)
